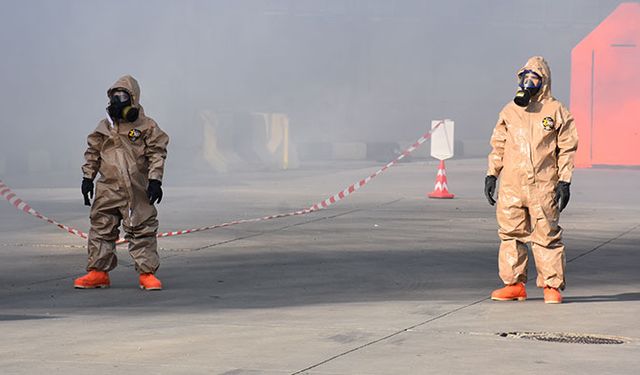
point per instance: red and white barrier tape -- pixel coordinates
(19, 204)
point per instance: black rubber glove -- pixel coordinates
(562, 194)
(87, 190)
(154, 191)
(490, 188)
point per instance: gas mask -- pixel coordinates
(528, 89)
(121, 108)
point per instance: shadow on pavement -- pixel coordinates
(210, 281)
(5, 317)
(246, 281)
(604, 298)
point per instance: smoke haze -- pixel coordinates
(349, 70)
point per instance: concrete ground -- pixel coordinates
(385, 282)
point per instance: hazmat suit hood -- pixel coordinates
(539, 65)
(130, 85)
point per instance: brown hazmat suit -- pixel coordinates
(127, 155)
(533, 149)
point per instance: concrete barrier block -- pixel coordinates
(313, 151)
(383, 151)
(349, 151)
(421, 153)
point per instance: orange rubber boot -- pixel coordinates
(552, 295)
(93, 279)
(149, 282)
(510, 293)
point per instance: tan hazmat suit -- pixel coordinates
(127, 155)
(533, 149)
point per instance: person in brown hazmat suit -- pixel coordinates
(533, 143)
(128, 149)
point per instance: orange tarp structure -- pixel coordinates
(605, 90)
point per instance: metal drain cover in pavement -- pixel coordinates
(568, 338)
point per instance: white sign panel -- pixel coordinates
(442, 139)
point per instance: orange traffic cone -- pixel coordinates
(440, 191)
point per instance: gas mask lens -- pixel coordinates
(530, 83)
(120, 96)
(529, 80)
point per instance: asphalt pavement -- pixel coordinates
(384, 282)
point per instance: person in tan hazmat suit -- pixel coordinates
(533, 146)
(128, 149)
